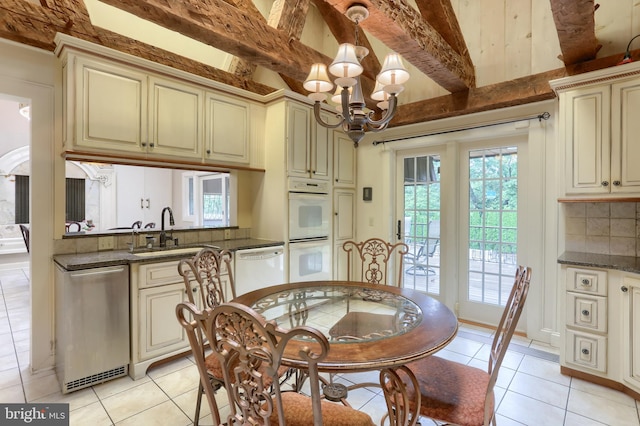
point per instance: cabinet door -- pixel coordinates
(141, 194)
(321, 150)
(227, 129)
(344, 204)
(625, 127)
(158, 194)
(175, 118)
(587, 139)
(344, 160)
(110, 107)
(160, 332)
(298, 140)
(631, 330)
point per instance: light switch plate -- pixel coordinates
(227, 234)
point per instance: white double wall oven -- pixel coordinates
(309, 231)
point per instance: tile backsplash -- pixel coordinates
(606, 228)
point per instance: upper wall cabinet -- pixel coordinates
(133, 110)
(344, 162)
(227, 124)
(309, 144)
(597, 122)
(106, 106)
(175, 118)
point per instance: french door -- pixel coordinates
(489, 230)
(480, 211)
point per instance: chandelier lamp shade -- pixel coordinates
(352, 115)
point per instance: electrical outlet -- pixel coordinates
(227, 234)
(106, 243)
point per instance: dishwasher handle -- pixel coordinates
(260, 254)
(97, 271)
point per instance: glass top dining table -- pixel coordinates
(369, 326)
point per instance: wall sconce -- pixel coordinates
(627, 54)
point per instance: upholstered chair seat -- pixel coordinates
(298, 411)
(456, 392)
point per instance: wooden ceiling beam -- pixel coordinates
(520, 91)
(441, 16)
(400, 27)
(575, 23)
(34, 25)
(224, 27)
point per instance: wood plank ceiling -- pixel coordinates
(429, 38)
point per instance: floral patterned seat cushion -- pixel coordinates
(452, 392)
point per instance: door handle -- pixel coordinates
(141, 203)
(148, 203)
(399, 233)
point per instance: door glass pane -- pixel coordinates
(422, 223)
(493, 203)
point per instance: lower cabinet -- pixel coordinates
(602, 327)
(156, 289)
(630, 290)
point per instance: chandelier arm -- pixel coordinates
(377, 125)
(346, 110)
(316, 112)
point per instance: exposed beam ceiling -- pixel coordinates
(575, 23)
(429, 38)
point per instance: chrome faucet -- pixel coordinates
(163, 234)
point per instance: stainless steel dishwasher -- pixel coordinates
(92, 325)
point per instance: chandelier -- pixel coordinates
(346, 67)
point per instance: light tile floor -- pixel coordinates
(530, 389)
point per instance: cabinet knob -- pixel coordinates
(624, 289)
(616, 183)
(605, 183)
(336, 213)
(208, 151)
(151, 145)
(313, 171)
(585, 351)
(586, 281)
(143, 144)
(195, 289)
(585, 312)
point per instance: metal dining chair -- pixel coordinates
(250, 352)
(402, 407)
(205, 289)
(460, 394)
(369, 261)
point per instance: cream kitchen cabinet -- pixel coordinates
(105, 106)
(630, 293)
(156, 289)
(586, 320)
(175, 118)
(309, 143)
(227, 129)
(344, 204)
(597, 125)
(130, 109)
(344, 161)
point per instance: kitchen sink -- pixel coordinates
(167, 252)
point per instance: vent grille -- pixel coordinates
(95, 378)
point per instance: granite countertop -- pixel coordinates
(74, 262)
(605, 261)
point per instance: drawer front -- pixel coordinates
(155, 274)
(587, 312)
(587, 350)
(587, 281)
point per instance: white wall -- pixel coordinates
(31, 75)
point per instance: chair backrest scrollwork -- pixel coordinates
(370, 260)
